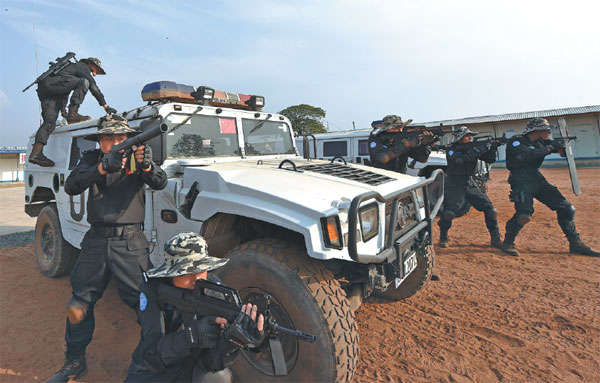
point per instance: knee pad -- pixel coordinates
(568, 212)
(76, 311)
(448, 215)
(523, 219)
(493, 213)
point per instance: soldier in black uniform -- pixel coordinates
(393, 153)
(53, 92)
(115, 244)
(524, 156)
(192, 350)
(460, 185)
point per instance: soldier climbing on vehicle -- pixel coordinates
(524, 156)
(54, 87)
(462, 155)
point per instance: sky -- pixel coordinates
(426, 60)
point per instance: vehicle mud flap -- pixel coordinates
(279, 367)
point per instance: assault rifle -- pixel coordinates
(412, 133)
(55, 67)
(210, 298)
(478, 142)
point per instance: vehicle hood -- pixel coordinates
(301, 189)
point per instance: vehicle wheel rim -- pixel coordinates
(262, 361)
(48, 242)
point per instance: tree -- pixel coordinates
(305, 119)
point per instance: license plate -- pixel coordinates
(410, 264)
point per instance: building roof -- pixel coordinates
(516, 116)
(12, 149)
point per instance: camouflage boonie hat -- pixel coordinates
(112, 124)
(460, 132)
(186, 253)
(534, 124)
(96, 62)
(390, 122)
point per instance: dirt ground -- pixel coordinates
(491, 317)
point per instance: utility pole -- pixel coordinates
(353, 126)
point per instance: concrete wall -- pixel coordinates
(10, 169)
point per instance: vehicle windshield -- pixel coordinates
(264, 137)
(201, 136)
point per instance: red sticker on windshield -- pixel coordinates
(227, 125)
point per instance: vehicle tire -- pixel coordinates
(55, 256)
(305, 297)
(414, 282)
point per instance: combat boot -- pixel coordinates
(37, 156)
(443, 239)
(73, 116)
(509, 248)
(576, 246)
(75, 366)
(496, 239)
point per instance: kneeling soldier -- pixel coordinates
(173, 348)
(524, 156)
(460, 186)
(115, 245)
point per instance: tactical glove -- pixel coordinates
(555, 146)
(244, 332)
(110, 110)
(203, 332)
(112, 162)
(147, 160)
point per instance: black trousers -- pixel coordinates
(457, 190)
(124, 258)
(53, 92)
(525, 186)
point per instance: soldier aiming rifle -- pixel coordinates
(177, 345)
(460, 186)
(524, 156)
(391, 144)
(54, 87)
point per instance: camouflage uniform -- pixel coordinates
(114, 246)
(163, 353)
(392, 154)
(524, 158)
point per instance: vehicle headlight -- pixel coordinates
(332, 231)
(369, 221)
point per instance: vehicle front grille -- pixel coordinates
(406, 217)
(348, 172)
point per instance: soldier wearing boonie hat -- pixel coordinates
(524, 156)
(115, 245)
(53, 92)
(389, 150)
(173, 348)
(460, 187)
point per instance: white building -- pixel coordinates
(12, 163)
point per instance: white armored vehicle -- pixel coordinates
(317, 236)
